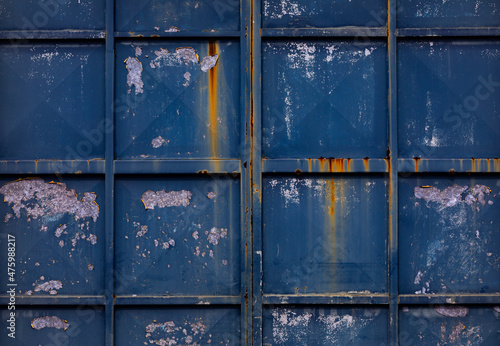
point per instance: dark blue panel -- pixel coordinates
(167, 107)
(188, 245)
(323, 13)
(448, 98)
(449, 325)
(157, 15)
(324, 99)
(449, 239)
(59, 236)
(450, 13)
(51, 14)
(325, 325)
(325, 235)
(49, 325)
(181, 326)
(52, 101)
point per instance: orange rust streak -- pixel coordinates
(416, 163)
(496, 164)
(366, 162)
(321, 164)
(473, 164)
(348, 165)
(309, 164)
(212, 100)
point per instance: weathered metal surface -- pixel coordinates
(179, 100)
(325, 325)
(449, 325)
(328, 217)
(309, 107)
(449, 235)
(448, 98)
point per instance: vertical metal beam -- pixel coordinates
(393, 175)
(109, 177)
(256, 169)
(246, 182)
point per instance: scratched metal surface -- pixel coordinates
(58, 325)
(448, 98)
(182, 244)
(174, 103)
(60, 239)
(57, 86)
(450, 325)
(51, 14)
(157, 15)
(449, 235)
(323, 13)
(439, 13)
(309, 105)
(325, 325)
(178, 326)
(325, 234)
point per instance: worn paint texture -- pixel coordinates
(452, 310)
(49, 322)
(163, 199)
(158, 142)
(50, 286)
(168, 333)
(209, 62)
(134, 76)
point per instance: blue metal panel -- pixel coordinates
(454, 13)
(160, 16)
(174, 109)
(59, 231)
(180, 326)
(325, 325)
(309, 107)
(327, 217)
(323, 13)
(51, 14)
(449, 235)
(450, 325)
(448, 106)
(49, 325)
(52, 103)
(187, 244)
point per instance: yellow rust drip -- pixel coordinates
(212, 100)
(416, 159)
(366, 162)
(473, 164)
(309, 164)
(348, 165)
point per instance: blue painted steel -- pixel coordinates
(447, 102)
(58, 89)
(324, 99)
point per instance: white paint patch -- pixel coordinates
(134, 76)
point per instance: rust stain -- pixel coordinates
(416, 159)
(473, 164)
(336, 165)
(212, 100)
(461, 165)
(366, 162)
(348, 165)
(389, 192)
(496, 164)
(321, 164)
(309, 165)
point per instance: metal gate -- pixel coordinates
(226, 172)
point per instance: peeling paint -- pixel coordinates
(142, 231)
(287, 318)
(163, 199)
(169, 334)
(449, 197)
(50, 286)
(211, 195)
(195, 235)
(209, 62)
(134, 76)
(60, 230)
(496, 308)
(455, 333)
(418, 278)
(172, 29)
(187, 54)
(216, 234)
(187, 77)
(165, 58)
(138, 51)
(452, 310)
(42, 199)
(44, 228)
(49, 322)
(8, 216)
(92, 238)
(159, 141)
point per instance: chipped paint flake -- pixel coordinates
(165, 58)
(195, 235)
(172, 29)
(158, 142)
(452, 310)
(60, 230)
(138, 51)
(209, 62)
(287, 318)
(282, 9)
(163, 199)
(187, 54)
(418, 277)
(496, 308)
(40, 199)
(49, 322)
(449, 197)
(187, 77)
(216, 234)
(49, 286)
(211, 195)
(142, 231)
(7, 217)
(134, 76)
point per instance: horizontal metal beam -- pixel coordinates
(52, 166)
(195, 34)
(177, 166)
(449, 299)
(54, 300)
(425, 32)
(347, 298)
(51, 34)
(177, 300)
(323, 165)
(347, 31)
(449, 165)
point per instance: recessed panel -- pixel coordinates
(324, 234)
(448, 234)
(177, 236)
(324, 99)
(177, 99)
(448, 100)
